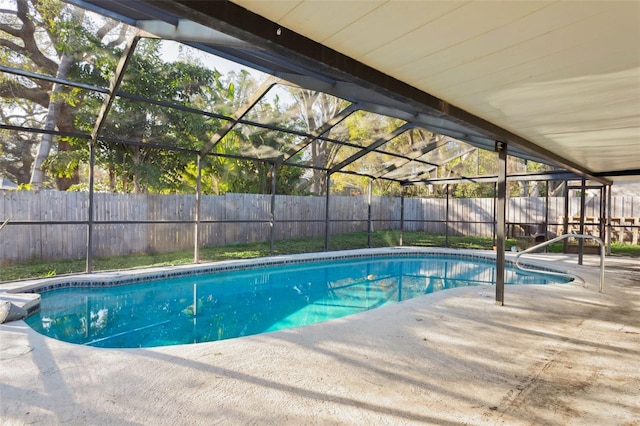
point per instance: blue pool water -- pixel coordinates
(225, 305)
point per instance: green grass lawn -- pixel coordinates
(39, 269)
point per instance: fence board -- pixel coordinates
(54, 241)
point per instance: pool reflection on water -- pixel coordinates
(226, 305)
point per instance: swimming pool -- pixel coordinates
(229, 302)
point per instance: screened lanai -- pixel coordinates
(406, 136)
(181, 126)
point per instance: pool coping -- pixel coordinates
(26, 294)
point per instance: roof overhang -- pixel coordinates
(534, 74)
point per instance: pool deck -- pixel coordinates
(554, 354)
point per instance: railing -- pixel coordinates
(559, 238)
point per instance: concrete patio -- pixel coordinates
(556, 355)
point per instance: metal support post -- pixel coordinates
(546, 210)
(608, 220)
(495, 206)
(326, 213)
(501, 147)
(402, 194)
(603, 210)
(369, 224)
(196, 233)
(446, 217)
(272, 218)
(565, 221)
(581, 232)
(101, 118)
(90, 207)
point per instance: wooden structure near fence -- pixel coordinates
(53, 225)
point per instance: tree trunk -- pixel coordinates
(44, 148)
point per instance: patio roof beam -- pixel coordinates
(428, 170)
(121, 141)
(50, 79)
(241, 112)
(413, 156)
(378, 143)
(324, 128)
(619, 173)
(188, 31)
(45, 131)
(245, 25)
(559, 175)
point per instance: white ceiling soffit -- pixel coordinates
(564, 75)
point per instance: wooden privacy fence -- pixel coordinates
(53, 225)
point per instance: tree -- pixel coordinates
(317, 108)
(16, 148)
(262, 146)
(58, 40)
(141, 166)
(51, 38)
